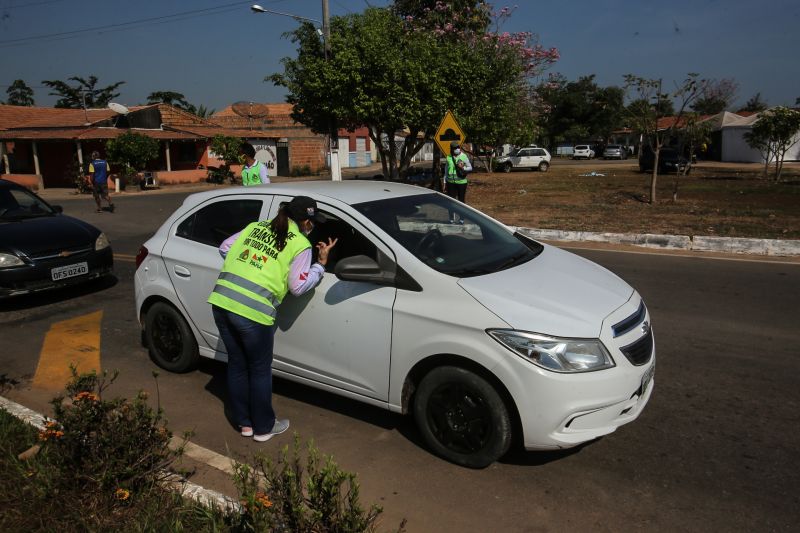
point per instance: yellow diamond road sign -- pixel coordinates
(449, 131)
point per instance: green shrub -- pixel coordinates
(283, 498)
(297, 171)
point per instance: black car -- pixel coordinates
(41, 248)
(669, 160)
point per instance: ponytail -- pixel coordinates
(280, 228)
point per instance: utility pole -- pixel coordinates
(333, 134)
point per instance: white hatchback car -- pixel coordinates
(480, 332)
(531, 157)
(582, 151)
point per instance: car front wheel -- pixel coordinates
(506, 167)
(543, 166)
(462, 417)
(169, 339)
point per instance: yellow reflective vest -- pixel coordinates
(255, 276)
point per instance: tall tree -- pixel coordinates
(646, 121)
(715, 96)
(773, 135)
(580, 110)
(755, 104)
(391, 74)
(85, 94)
(20, 94)
(171, 98)
(664, 107)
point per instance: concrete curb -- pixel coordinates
(187, 489)
(729, 245)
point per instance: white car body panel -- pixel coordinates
(555, 294)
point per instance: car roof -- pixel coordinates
(8, 184)
(350, 191)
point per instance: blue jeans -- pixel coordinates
(249, 345)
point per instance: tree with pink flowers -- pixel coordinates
(398, 70)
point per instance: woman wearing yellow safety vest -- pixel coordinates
(263, 262)
(455, 175)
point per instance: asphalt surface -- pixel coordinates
(713, 451)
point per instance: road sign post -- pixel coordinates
(449, 131)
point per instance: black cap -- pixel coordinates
(304, 208)
(454, 144)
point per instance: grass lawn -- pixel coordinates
(714, 200)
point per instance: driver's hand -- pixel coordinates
(323, 249)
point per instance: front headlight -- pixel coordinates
(10, 260)
(101, 243)
(553, 353)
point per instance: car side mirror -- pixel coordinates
(362, 268)
(57, 208)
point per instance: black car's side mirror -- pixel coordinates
(57, 208)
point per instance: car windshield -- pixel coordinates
(16, 204)
(449, 237)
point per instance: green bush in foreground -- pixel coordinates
(101, 466)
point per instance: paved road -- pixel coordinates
(714, 451)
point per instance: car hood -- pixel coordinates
(557, 293)
(34, 235)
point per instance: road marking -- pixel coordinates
(75, 341)
(125, 257)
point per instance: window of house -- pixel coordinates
(216, 222)
(187, 152)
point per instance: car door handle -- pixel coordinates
(182, 271)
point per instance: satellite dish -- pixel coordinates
(250, 111)
(118, 108)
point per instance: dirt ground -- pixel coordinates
(716, 199)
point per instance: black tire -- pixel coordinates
(169, 339)
(462, 417)
(544, 166)
(506, 167)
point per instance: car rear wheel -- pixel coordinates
(544, 166)
(462, 417)
(169, 339)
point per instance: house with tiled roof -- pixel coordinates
(39, 146)
(292, 143)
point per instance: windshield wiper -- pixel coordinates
(512, 261)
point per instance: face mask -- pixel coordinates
(456, 152)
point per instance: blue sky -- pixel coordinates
(221, 56)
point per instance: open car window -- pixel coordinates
(449, 237)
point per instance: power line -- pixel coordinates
(122, 25)
(31, 4)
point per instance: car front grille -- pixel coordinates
(61, 253)
(624, 326)
(639, 352)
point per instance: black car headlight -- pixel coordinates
(10, 260)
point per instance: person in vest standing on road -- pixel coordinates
(263, 262)
(98, 170)
(254, 172)
(455, 175)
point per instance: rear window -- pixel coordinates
(216, 222)
(581, 147)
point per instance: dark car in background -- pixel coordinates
(41, 248)
(669, 160)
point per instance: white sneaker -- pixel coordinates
(279, 427)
